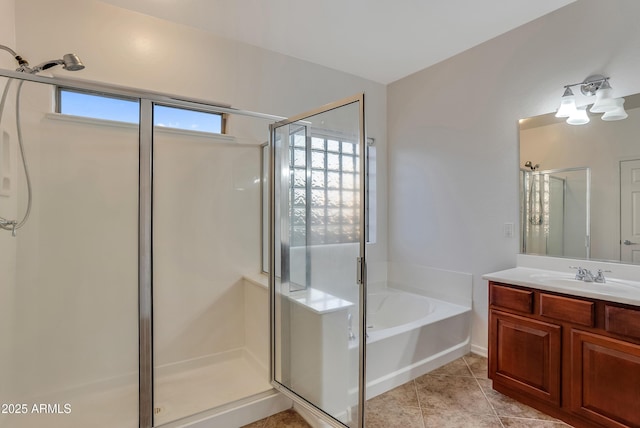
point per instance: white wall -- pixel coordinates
(453, 135)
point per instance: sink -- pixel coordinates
(569, 281)
(619, 290)
(566, 279)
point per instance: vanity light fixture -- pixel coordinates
(597, 85)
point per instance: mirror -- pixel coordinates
(580, 187)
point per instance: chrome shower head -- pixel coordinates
(530, 165)
(69, 62)
(72, 62)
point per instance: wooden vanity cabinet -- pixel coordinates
(526, 355)
(605, 380)
(574, 358)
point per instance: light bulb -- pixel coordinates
(618, 113)
(567, 104)
(579, 117)
(604, 102)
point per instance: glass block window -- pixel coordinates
(326, 175)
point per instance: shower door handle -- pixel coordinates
(627, 242)
(360, 267)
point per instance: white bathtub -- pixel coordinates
(410, 335)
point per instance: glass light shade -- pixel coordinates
(567, 106)
(604, 102)
(579, 117)
(618, 114)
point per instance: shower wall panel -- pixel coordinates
(206, 237)
(73, 303)
(8, 247)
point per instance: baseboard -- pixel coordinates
(480, 350)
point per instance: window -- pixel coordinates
(334, 192)
(107, 107)
(334, 209)
(98, 106)
(190, 120)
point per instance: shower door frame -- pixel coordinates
(360, 262)
(148, 99)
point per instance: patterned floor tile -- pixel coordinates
(531, 423)
(450, 393)
(392, 417)
(457, 395)
(404, 395)
(506, 406)
(457, 419)
(477, 365)
(454, 368)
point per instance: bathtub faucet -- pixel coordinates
(352, 336)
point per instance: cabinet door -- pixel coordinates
(605, 379)
(525, 355)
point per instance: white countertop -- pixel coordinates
(318, 301)
(614, 290)
(313, 299)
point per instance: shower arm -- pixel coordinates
(44, 66)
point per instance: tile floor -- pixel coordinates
(458, 395)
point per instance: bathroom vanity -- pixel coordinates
(566, 347)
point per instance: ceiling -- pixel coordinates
(381, 40)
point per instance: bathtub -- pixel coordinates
(409, 335)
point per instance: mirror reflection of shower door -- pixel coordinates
(630, 211)
(556, 212)
(317, 261)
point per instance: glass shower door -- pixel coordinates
(206, 237)
(317, 262)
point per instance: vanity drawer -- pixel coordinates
(511, 298)
(576, 311)
(622, 321)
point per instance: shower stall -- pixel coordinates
(130, 297)
(555, 211)
(131, 294)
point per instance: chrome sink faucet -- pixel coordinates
(600, 276)
(583, 274)
(586, 275)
